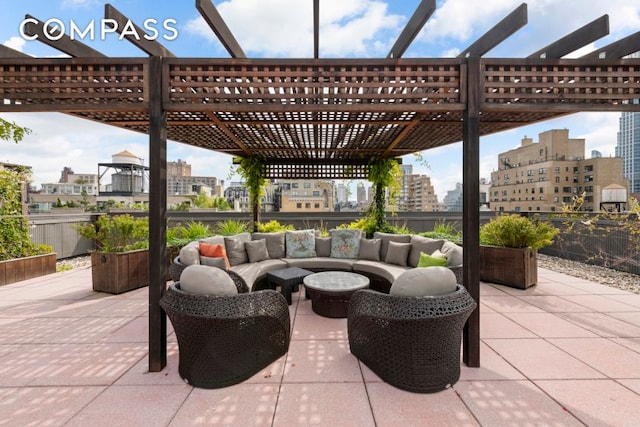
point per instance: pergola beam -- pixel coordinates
(316, 29)
(64, 44)
(211, 16)
(496, 35)
(150, 47)
(423, 12)
(579, 38)
(618, 49)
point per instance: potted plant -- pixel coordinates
(120, 262)
(20, 258)
(509, 247)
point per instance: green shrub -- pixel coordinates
(231, 227)
(515, 231)
(274, 226)
(117, 233)
(183, 234)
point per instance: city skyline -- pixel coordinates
(371, 26)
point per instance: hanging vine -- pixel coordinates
(253, 170)
(384, 174)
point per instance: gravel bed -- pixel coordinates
(606, 276)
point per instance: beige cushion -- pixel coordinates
(236, 252)
(190, 255)
(275, 243)
(453, 253)
(422, 244)
(370, 249)
(418, 282)
(390, 272)
(203, 280)
(323, 246)
(389, 237)
(257, 250)
(398, 253)
(218, 262)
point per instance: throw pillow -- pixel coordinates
(427, 260)
(275, 243)
(222, 263)
(370, 249)
(257, 250)
(390, 237)
(203, 280)
(421, 244)
(398, 253)
(213, 251)
(418, 282)
(235, 248)
(453, 253)
(300, 243)
(323, 246)
(345, 243)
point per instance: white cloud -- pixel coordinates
(15, 43)
(277, 28)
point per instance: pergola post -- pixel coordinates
(471, 209)
(157, 215)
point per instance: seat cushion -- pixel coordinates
(322, 263)
(388, 272)
(249, 272)
(419, 282)
(203, 280)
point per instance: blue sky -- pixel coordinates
(284, 28)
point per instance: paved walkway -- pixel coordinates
(565, 352)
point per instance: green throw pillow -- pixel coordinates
(427, 260)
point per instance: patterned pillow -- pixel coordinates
(300, 243)
(345, 243)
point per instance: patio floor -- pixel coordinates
(565, 352)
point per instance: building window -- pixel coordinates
(557, 169)
(307, 205)
(556, 199)
(307, 185)
(566, 189)
(316, 205)
(316, 193)
(299, 205)
(530, 172)
(588, 168)
(588, 178)
(542, 171)
(555, 190)
(294, 185)
(557, 179)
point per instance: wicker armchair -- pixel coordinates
(412, 343)
(224, 340)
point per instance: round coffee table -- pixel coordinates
(330, 291)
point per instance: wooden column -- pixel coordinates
(471, 209)
(157, 215)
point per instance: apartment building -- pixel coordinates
(550, 173)
(306, 196)
(422, 196)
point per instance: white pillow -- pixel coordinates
(203, 280)
(190, 255)
(419, 282)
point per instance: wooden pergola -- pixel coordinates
(322, 118)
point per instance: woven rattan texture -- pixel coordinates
(224, 340)
(412, 343)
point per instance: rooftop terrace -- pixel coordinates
(564, 352)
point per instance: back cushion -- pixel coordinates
(190, 254)
(453, 253)
(275, 243)
(345, 243)
(213, 251)
(419, 282)
(389, 237)
(323, 246)
(257, 250)
(370, 249)
(203, 280)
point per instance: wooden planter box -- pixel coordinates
(117, 272)
(513, 267)
(16, 270)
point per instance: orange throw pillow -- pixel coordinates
(214, 251)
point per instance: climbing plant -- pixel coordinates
(253, 170)
(384, 174)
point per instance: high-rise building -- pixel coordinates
(404, 198)
(181, 182)
(629, 148)
(422, 196)
(545, 175)
(361, 193)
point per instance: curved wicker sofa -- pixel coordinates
(412, 343)
(224, 340)
(381, 274)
